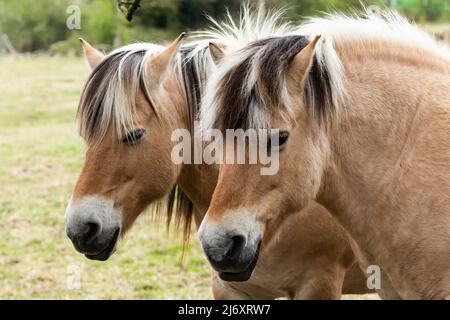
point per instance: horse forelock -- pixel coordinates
(252, 86)
(109, 96)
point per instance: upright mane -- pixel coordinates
(254, 23)
(251, 84)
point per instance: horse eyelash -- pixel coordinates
(283, 138)
(133, 137)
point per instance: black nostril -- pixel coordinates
(237, 245)
(92, 231)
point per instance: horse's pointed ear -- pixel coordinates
(217, 53)
(158, 64)
(92, 55)
(302, 61)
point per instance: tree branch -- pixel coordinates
(128, 7)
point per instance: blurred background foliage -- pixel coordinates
(32, 25)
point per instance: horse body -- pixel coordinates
(366, 110)
(132, 103)
(390, 185)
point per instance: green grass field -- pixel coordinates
(40, 158)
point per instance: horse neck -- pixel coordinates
(380, 132)
(198, 181)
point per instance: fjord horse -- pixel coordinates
(135, 97)
(363, 106)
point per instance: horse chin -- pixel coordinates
(244, 275)
(236, 277)
(107, 252)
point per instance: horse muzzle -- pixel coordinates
(233, 255)
(94, 227)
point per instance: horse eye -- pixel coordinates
(282, 139)
(133, 137)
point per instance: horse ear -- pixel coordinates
(92, 55)
(217, 53)
(302, 61)
(158, 65)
